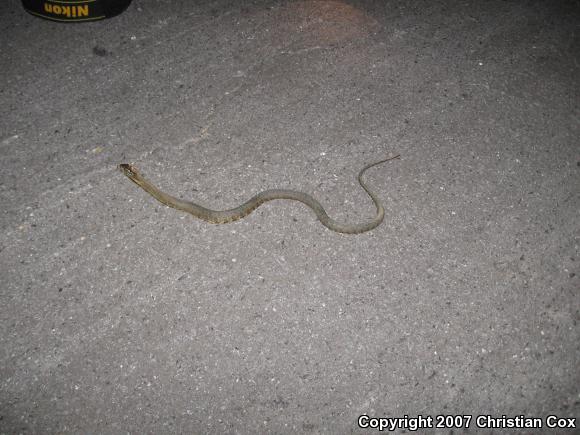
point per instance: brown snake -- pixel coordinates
(226, 216)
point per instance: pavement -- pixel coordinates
(120, 315)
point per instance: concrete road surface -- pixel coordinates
(120, 315)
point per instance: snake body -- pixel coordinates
(226, 216)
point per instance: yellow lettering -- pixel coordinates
(68, 11)
(83, 11)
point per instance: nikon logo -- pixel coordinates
(74, 11)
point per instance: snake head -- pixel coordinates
(128, 170)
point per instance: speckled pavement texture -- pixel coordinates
(120, 315)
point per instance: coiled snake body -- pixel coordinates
(226, 216)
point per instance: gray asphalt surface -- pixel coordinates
(120, 315)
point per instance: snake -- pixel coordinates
(234, 214)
